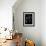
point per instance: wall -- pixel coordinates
(6, 13)
(43, 22)
(33, 33)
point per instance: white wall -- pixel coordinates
(6, 13)
(33, 33)
(43, 22)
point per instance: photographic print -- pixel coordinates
(28, 19)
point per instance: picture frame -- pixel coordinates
(13, 22)
(29, 19)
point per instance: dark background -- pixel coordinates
(28, 18)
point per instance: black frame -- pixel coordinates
(28, 19)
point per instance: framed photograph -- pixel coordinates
(29, 19)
